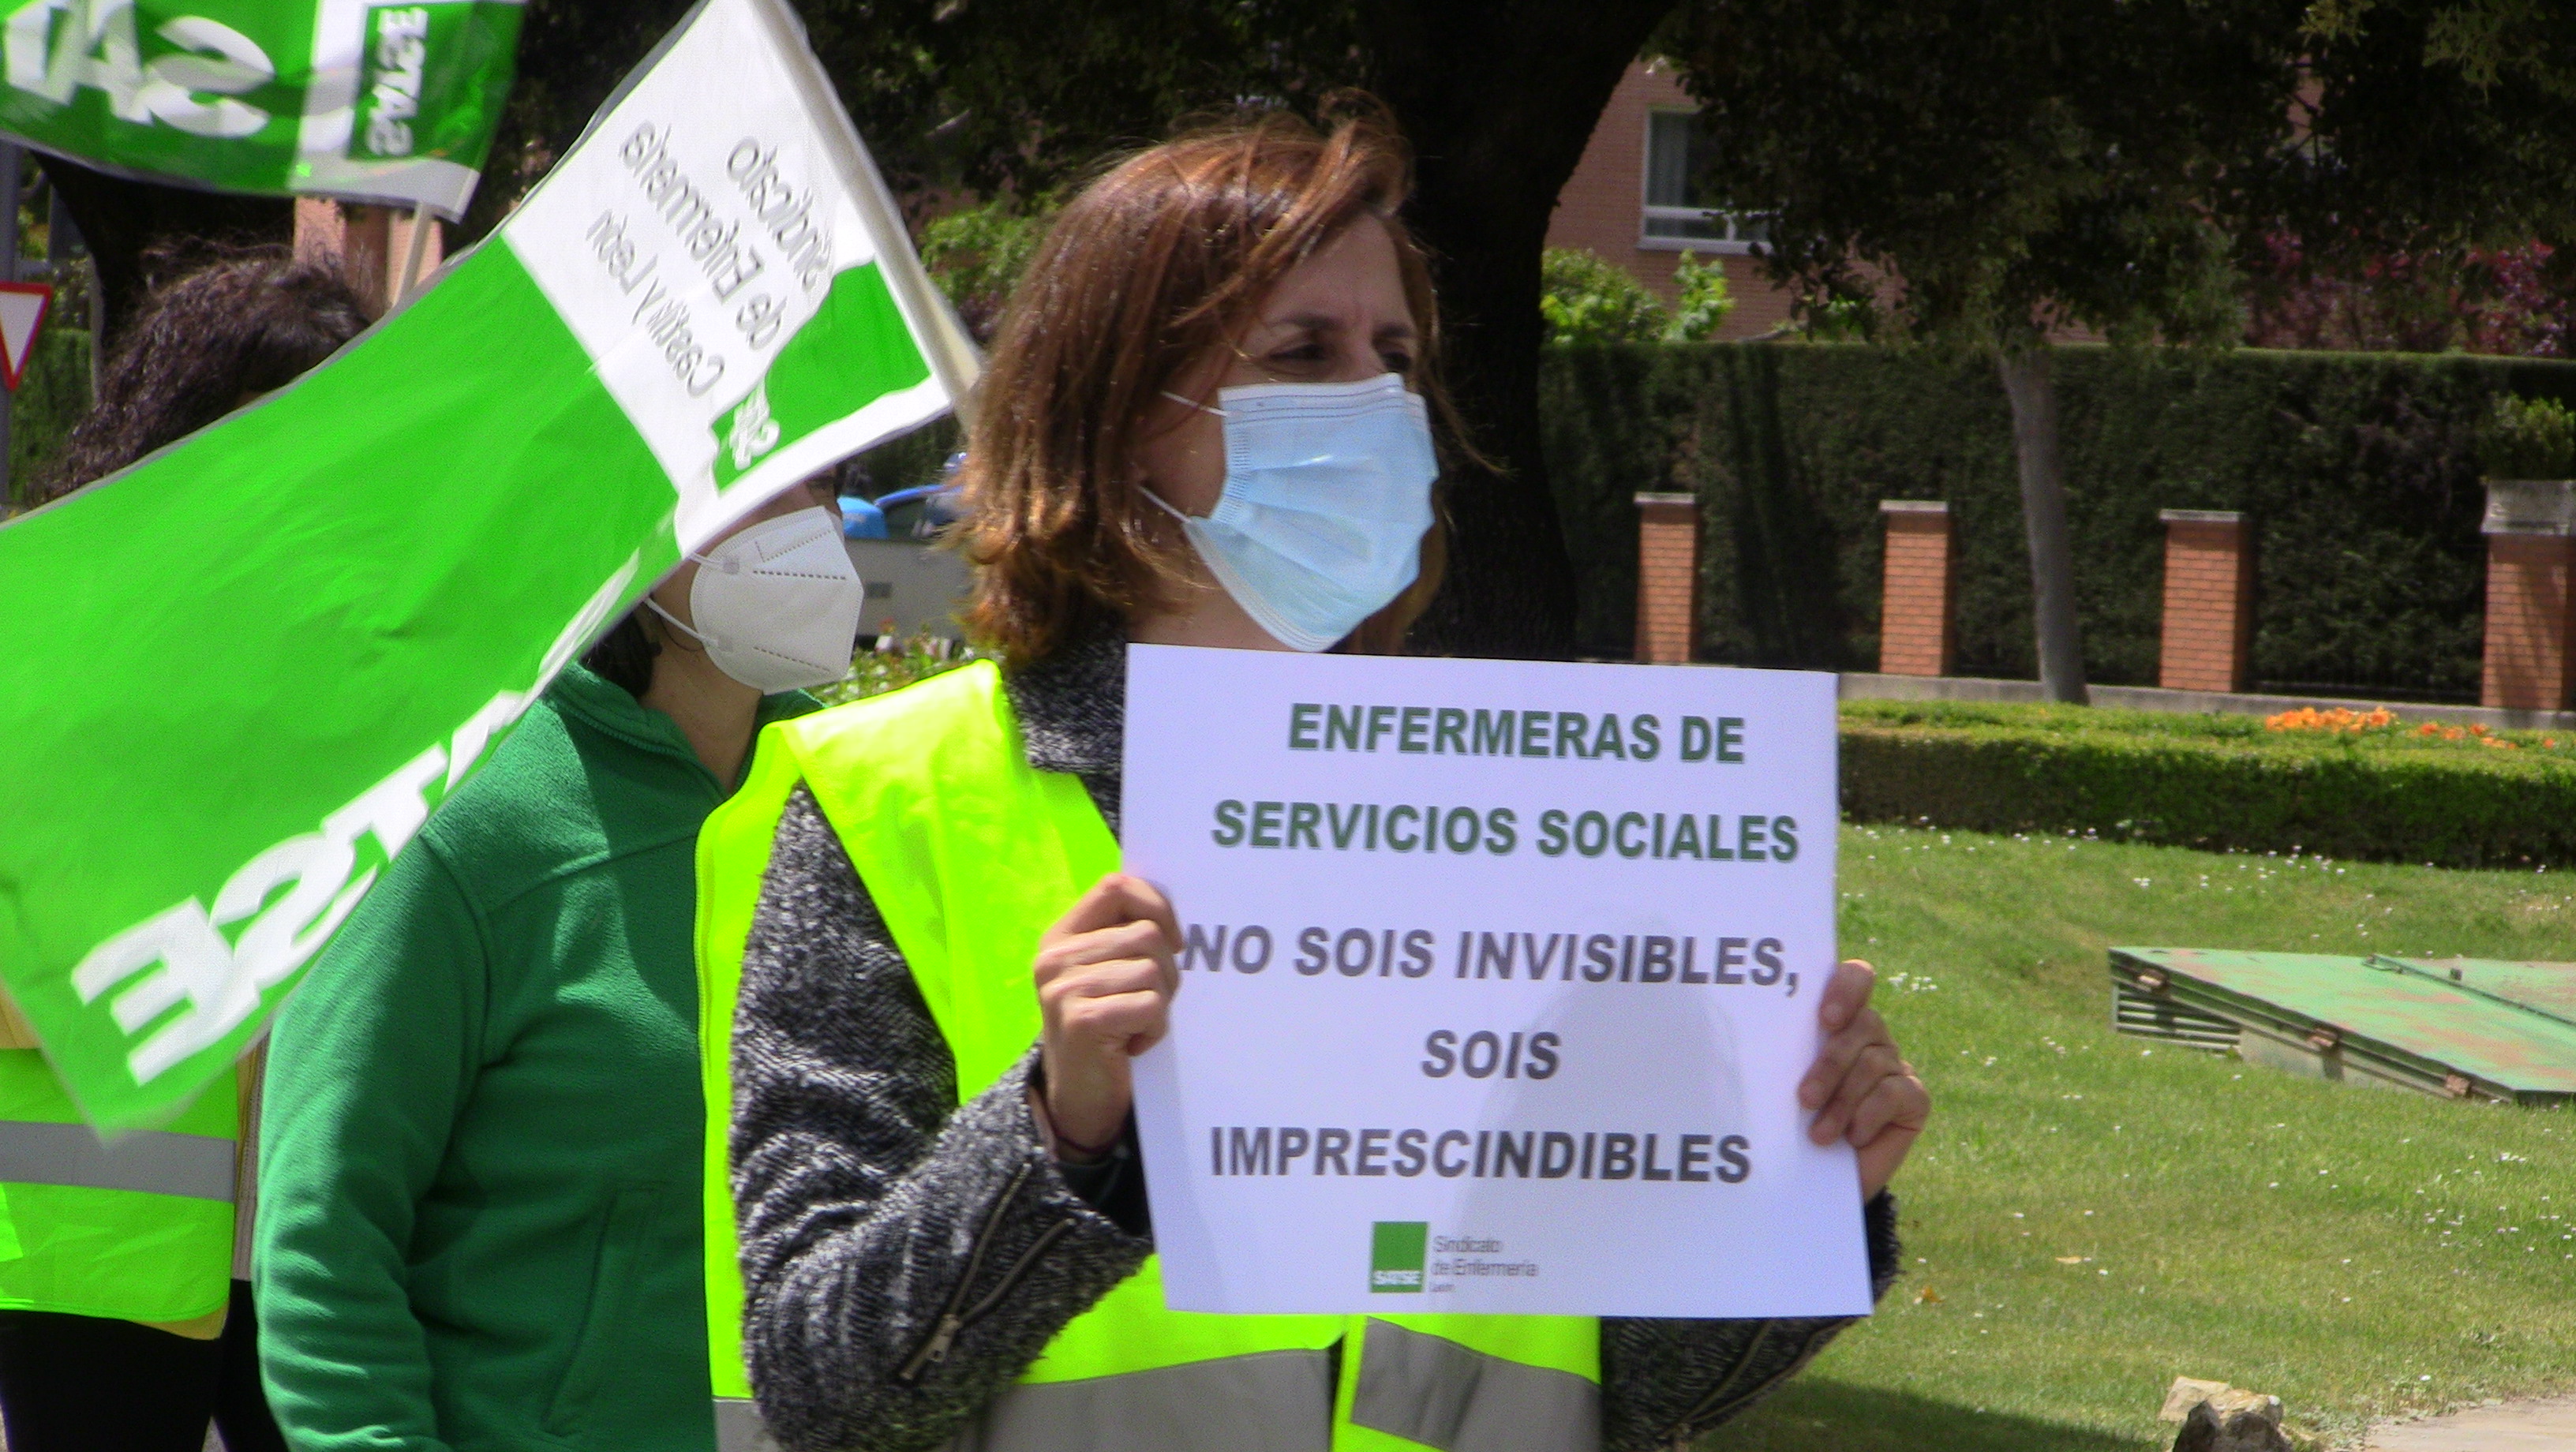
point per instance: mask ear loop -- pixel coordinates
(674, 621)
(703, 562)
(1168, 506)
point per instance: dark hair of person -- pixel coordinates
(246, 324)
(1160, 263)
(624, 656)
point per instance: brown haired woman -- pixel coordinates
(1206, 424)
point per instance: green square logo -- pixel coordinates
(1396, 1252)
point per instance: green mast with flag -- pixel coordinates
(710, 297)
(392, 103)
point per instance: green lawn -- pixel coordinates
(2359, 1253)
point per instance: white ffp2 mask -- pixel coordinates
(777, 606)
(1327, 497)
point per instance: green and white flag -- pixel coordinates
(385, 102)
(235, 680)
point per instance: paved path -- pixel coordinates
(2513, 1427)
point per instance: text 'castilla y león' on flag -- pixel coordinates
(214, 738)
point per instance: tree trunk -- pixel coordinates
(2043, 514)
(1498, 102)
(124, 222)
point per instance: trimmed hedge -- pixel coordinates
(2218, 783)
(2359, 472)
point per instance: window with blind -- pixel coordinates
(1680, 211)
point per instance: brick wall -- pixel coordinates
(1916, 634)
(1602, 207)
(2208, 642)
(371, 242)
(2527, 621)
(1667, 577)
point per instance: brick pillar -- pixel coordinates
(1667, 577)
(371, 242)
(2209, 601)
(2531, 559)
(1916, 632)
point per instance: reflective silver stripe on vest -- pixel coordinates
(738, 1427)
(199, 1166)
(1434, 1391)
(1270, 1401)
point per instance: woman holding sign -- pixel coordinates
(1209, 424)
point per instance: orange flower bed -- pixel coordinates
(2339, 719)
(2479, 734)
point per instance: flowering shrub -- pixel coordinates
(2338, 719)
(2479, 301)
(2343, 721)
(2479, 734)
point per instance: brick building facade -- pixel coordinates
(1628, 201)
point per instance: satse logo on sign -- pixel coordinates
(1397, 1250)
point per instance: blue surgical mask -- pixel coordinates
(1327, 497)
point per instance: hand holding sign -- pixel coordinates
(1105, 982)
(1860, 1085)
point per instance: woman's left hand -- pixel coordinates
(1861, 1088)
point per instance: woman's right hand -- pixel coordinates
(1105, 974)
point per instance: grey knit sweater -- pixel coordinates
(873, 1207)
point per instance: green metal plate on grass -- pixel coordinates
(2495, 1030)
(2547, 987)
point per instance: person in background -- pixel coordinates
(126, 1318)
(479, 1219)
(1220, 378)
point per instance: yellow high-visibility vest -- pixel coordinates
(137, 1230)
(970, 854)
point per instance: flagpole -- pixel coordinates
(12, 165)
(413, 253)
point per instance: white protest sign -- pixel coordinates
(1499, 983)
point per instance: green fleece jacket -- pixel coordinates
(479, 1158)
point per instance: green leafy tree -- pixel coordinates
(1975, 174)
(2485, 42)
(1587, 299)
(2437, 132)
(1705, 304)
(977, 255)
